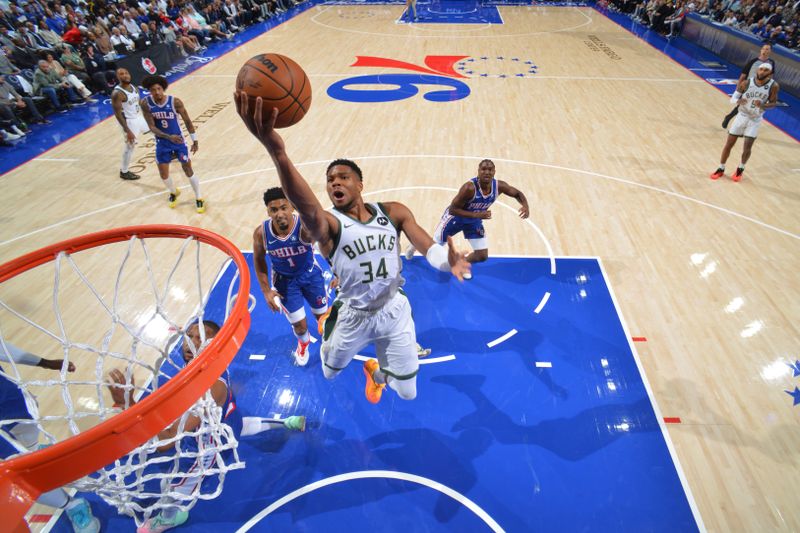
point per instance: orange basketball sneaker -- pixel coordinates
(717, 174)
(321, 321)
(372, 391)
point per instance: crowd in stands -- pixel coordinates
(56, 54)
(774, 22)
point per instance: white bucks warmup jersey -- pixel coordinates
(130, 108)
(366, 257)
(755, 93)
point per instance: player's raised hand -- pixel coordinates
(458, 261)
(254, 118)
(116, 382)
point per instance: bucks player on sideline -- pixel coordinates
(161, 112)
(362, 243)
(470, 208)
(125, 101)
(283, 242)
(753, 96)
(194, 460)
(26, 434)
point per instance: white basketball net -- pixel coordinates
(133, 321)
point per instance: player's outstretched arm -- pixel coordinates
(319, 223)
(505, 188)
(21, 357)
(262, 268)
(181, 109)
(450, 260)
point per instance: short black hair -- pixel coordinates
(210, 324)
(275, 193)
(347, 163)
(149, 81)
(486, 161)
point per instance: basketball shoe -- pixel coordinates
(158, 523)
(717, 174)
(201, 205)
(300, 353)
(295, 423)
(173, 198)
(128, 175)
(372, 391)
(321, 321)
(81, 517)
(737, 176)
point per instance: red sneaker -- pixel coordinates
(717, 174)
(737, 176)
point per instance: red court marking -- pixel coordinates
(39, 518)
(639, 339)
(672, 419)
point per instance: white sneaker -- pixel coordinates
(300, 354)
(7, 135)
(409, 253)
(18, 131)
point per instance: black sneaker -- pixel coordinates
(129, 175)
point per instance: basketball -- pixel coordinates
(280, 82)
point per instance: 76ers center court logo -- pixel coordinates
(440, 78)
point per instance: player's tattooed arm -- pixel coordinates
(181, 109)
(465, 194)
(117, 99)
(505, 188)
(773, 97)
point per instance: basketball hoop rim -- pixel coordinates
(24, 478)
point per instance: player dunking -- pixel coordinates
(470, 208)
(753, 96)
(125, 101)
(361, 241)
(283, 242)
(161, 112)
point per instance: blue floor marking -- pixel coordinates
(574, 447)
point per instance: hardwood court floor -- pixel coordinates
(611, 141)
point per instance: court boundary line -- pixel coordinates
(656, 409)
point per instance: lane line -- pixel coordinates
(504, 338)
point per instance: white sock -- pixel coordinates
(55, 498)
(722, 166)
(741, 166)
(253, 425)
(127, 155)
(169, 185)
(305, 338)
(195, 181)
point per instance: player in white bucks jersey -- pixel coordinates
(362, 243)
(125, 101)
(753, 96)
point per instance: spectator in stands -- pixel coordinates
(730, 19)
(150, 37)
(74, 34)
(6, 66)
(72, 79)
(187, 43)
(55, 21)
(13, 104)
(231, 15)
(103, 77)
(53, 39)
(48, 83)
(212, 29)
(33, 42)
(189, 25)
(118, 40)
(102, 39)
(130, 25)
(675, 22)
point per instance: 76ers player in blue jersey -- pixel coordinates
(161, 112)
(295, 273)
(470, 208)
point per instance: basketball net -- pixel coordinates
(145, 346)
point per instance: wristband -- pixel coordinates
(735, 97)
(437, 257)
(193, 136)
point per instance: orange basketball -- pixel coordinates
(280, 82)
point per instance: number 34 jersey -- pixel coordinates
(366, 257)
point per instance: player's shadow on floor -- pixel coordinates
(571, 438)
(421, 451)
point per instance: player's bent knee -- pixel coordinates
(406, 389)
(329, 372)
